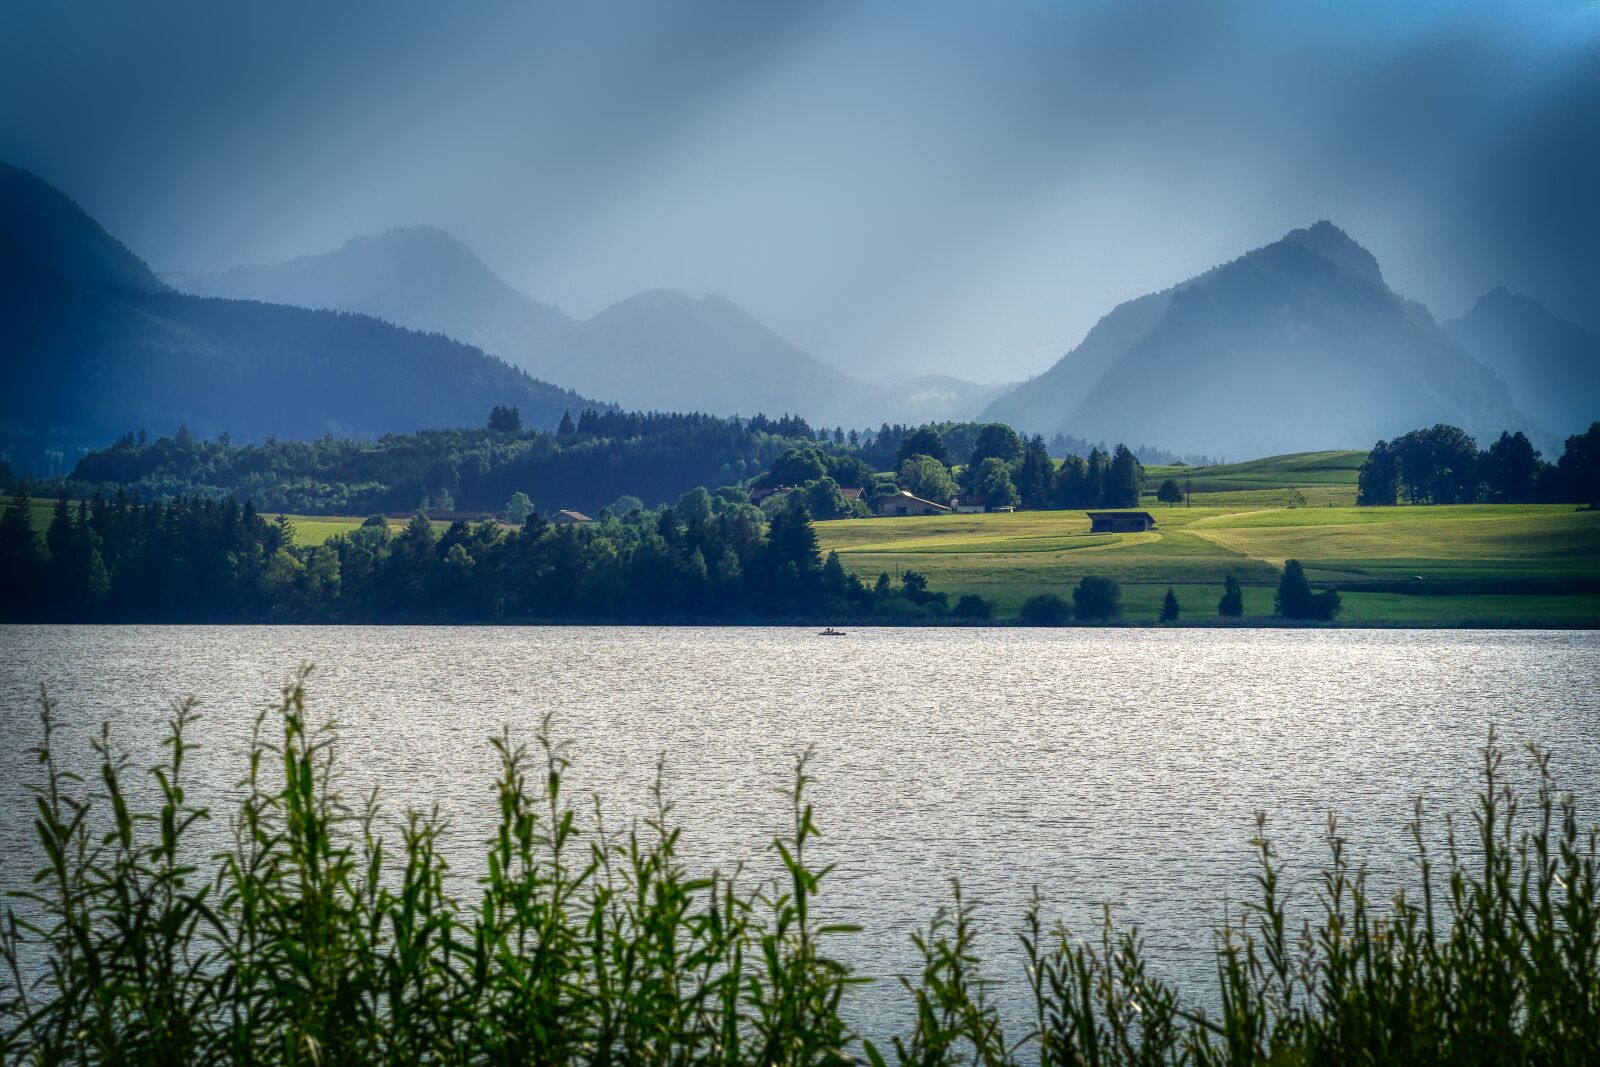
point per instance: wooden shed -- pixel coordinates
(1121, 521)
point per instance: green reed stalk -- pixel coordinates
(312, 940)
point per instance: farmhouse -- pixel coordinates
(904, 503)
(1121, 521)
(569, 518)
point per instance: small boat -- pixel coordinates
(830, 632)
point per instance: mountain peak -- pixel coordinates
(1339, 248)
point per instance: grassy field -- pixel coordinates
(1310, 478)
(1479, 565)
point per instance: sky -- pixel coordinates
(898, 187)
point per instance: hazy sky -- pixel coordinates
(895, 187)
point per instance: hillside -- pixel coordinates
(106, 349)
(1299, 344)
(1551, 366)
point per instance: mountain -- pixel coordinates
(659, 350)
(103, 347)
(1297, 345)
(1551, 366)
(667, 351)
(41, 223)
(415, 276)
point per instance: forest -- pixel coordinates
(706, 558)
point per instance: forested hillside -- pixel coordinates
(603, 456)
(96, 347)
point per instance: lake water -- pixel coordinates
(1116, 765)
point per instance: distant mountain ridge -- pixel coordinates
(418, 277)
(1550, 365)
(102, 347)
(1296, 345)
(656, 350)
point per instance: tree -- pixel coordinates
(1096, 597)
(797, 466)
(566, 428)
(518, 508)
(973, 606)
(1377, 481)
(925, 441)
(1045, 609)
(928, 478)
(1169, 607)
(1036, 476)
(1510, 468)
(1438, 465)
(1577, 475)
(1295, 600)
(1124, 480)
(1232, 602)
(1170, 492)
(503, 419)
(825, 501)
(992, 479)
(694, 507)
(997, 441)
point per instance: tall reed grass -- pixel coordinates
(314, 938)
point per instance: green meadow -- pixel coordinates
(1475, 565)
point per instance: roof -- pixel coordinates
(851, 493)
(903, 495)
(971, 500)
(570, 516)
(758, 495)
(445, 516)
(1121, 514)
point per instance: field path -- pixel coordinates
(1195, 528)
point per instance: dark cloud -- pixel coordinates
(955, 187)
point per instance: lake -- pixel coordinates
(1101, 765)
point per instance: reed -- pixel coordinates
(316, 939)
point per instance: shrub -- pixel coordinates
(1045, 609)
(972, 606)
(1096, 598)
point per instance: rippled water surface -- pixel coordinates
(1099, 765)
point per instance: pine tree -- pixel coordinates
(1169, 607)
(1232, 602)
(1294, 599)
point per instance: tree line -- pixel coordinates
(993, 463)
(707, 557)
(1442, 465)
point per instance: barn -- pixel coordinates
(1121, 521)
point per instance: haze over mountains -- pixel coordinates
(655, 350)
(1550, 365)
(1297, 345)
(97, 346)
